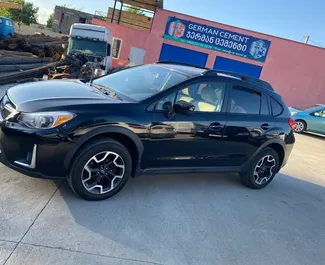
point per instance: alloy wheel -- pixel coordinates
(264, 169)
(103, 172)
(299, 126)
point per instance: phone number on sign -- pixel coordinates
(217, 41)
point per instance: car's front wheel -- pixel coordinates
(100, 170)
(262, 170)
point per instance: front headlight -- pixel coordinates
(45, 120)
(293, 113)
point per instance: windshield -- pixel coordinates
(142, 82)
(90, 46)
(306, 107)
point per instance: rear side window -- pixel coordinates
(7, 22)
(264, 106)
(277, 108)
(245, 101)
(0, 20)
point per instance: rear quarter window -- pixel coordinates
(277, 108)
(264, 106)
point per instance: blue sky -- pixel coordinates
(291, 19)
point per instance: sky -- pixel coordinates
(290, 19)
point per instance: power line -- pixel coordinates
(316, 43)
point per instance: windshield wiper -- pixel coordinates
(105, 90)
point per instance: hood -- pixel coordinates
(42, 95)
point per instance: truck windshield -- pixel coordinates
(90, 46)
(142, 82)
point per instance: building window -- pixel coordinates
(116, 48)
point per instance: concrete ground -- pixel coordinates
(192, 219)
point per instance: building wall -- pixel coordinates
(65, 17)
(294, 69)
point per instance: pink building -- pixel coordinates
(294, 69)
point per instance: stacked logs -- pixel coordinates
(23, 55)
(27, 52)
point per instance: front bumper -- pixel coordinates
(41, 156)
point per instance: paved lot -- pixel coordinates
(199, 219)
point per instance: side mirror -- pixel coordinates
(184, 107)
(316, 114)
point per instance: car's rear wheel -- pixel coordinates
(300, 126)
(262, 170)
(100, 170)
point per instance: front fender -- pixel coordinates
(90, 133)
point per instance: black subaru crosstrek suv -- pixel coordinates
(156, 118)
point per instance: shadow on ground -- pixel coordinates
(313, 136)
(204, 219)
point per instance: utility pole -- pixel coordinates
(306, 39)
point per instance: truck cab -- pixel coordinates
(7, 28)
(93, 41)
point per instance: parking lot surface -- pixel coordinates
(187, 219)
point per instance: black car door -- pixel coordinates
(249, 123)
(190, 140)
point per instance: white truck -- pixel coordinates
(93, 41)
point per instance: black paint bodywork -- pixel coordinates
(202, 142)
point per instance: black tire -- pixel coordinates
(248, 178)
(82, 158)
(301, 126)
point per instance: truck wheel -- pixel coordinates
(100, 170)
(262, 170)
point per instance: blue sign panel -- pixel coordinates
(216, 39)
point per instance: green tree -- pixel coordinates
(28, 15)
(4, 12)
(134, 10)
(49, 22)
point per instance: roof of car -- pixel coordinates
(193, 70)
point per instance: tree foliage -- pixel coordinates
(49, 22)
(135, 10)
(28, 15)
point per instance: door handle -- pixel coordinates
(215, 126)
(265, 126)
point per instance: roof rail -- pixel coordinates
(263, 83)
(183, 64)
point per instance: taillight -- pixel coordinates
(292, 123)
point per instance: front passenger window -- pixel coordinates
(322, 114)
(205, 96)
